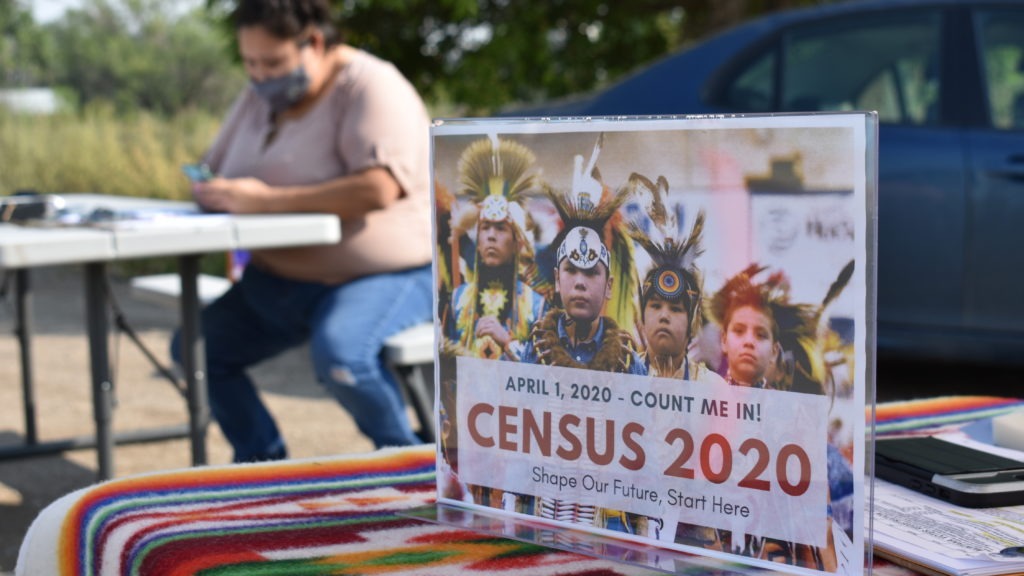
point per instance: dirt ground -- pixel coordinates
(313, 424)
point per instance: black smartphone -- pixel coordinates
(958, 474)
(197, 172)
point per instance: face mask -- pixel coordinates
(284, 91)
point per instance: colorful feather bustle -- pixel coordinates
(443, 201)
(621, 306)
(496, 166)
(540, 281)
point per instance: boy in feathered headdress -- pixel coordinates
(575, 333)
(768, 341)
(492, 312)
(671, 291)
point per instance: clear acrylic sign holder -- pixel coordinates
(656, 337)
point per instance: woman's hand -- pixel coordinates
(234, 195)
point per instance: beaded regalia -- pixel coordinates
(495, 174)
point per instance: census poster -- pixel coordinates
(658, 329)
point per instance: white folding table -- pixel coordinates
(160, 228)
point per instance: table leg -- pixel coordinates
(102, 386)
(420, 388)
(193, 357)
(98, 328)
(23, 330)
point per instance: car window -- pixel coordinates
(753, 90)
(887, 62)
(1000, 36)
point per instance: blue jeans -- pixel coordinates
(263, 315)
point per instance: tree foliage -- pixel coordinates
(464, 56)
(137, 54)
(483, 54)
(27, 53)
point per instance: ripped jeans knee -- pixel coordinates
(340, 375)
(347, 339)
(370, 395)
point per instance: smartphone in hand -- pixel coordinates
(197, 172)
(958, 474)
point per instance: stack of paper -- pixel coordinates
(935, 537)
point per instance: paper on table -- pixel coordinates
(934, 534)
(135, 219)
(165, 221)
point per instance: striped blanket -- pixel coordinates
(342, 515)
(932, 414)
(314, 517)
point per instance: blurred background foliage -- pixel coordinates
(136, 153)
(480, 55)
(143, 84)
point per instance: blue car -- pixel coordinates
(947, 81)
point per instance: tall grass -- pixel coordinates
(103, 152)
(100, 152)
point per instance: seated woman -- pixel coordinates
(322, 127)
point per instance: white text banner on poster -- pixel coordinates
(734, 458)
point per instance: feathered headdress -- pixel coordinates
(584, 214)
(592, 232)
(674, 275)
(495, 173)
(796, 327)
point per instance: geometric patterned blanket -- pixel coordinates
(310, 518)
(334, 515)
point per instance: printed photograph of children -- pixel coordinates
(720, 257)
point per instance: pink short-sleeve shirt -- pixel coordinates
(371, 117)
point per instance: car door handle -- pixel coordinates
(1015, 159)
